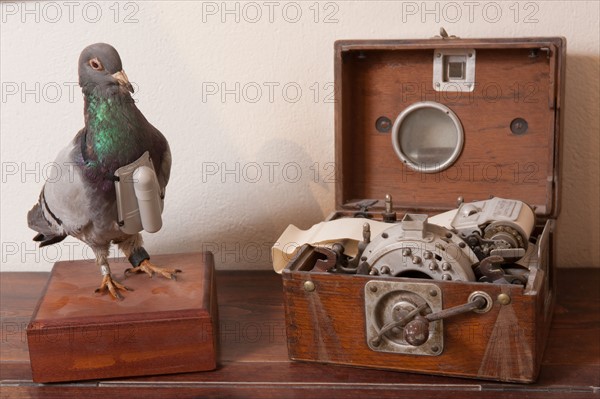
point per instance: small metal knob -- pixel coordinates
(389, 216)
(309, 286)
(416, 332)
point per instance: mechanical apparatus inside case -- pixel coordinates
(481, 241)
(489, 242)
(484, 241)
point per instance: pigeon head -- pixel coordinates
(100, 69)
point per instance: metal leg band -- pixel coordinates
(105, 270)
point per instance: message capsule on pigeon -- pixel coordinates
(147, 192)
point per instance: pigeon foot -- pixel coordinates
(150, 269)
(112, 286)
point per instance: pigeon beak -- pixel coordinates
(121, 77)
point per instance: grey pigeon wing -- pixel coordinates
(68, 193)
(48, 231)
(64, 204)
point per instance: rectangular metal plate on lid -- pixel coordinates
(510, 121)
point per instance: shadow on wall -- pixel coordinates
(286, 193)
(579, 222)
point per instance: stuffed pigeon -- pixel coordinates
(80, 200)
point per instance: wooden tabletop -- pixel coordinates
(254, 363)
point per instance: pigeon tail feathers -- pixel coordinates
(37, 221)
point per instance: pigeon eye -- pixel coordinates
(95, 64)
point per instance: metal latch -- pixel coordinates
(454, 70)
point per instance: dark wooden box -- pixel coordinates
(162, 327)
(515, 78)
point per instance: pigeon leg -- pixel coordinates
(109, 284)
(140, 260)
(151, 269)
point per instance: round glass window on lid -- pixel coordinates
(427, 136)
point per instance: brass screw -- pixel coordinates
(373, 288)
(309, 286)
(504, 299)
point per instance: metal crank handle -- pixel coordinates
(416, 332)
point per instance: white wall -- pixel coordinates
(176, 52)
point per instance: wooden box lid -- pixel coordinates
(514, 78)
(162, 327)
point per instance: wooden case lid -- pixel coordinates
(515, 78)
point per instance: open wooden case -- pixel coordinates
(495, 106)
